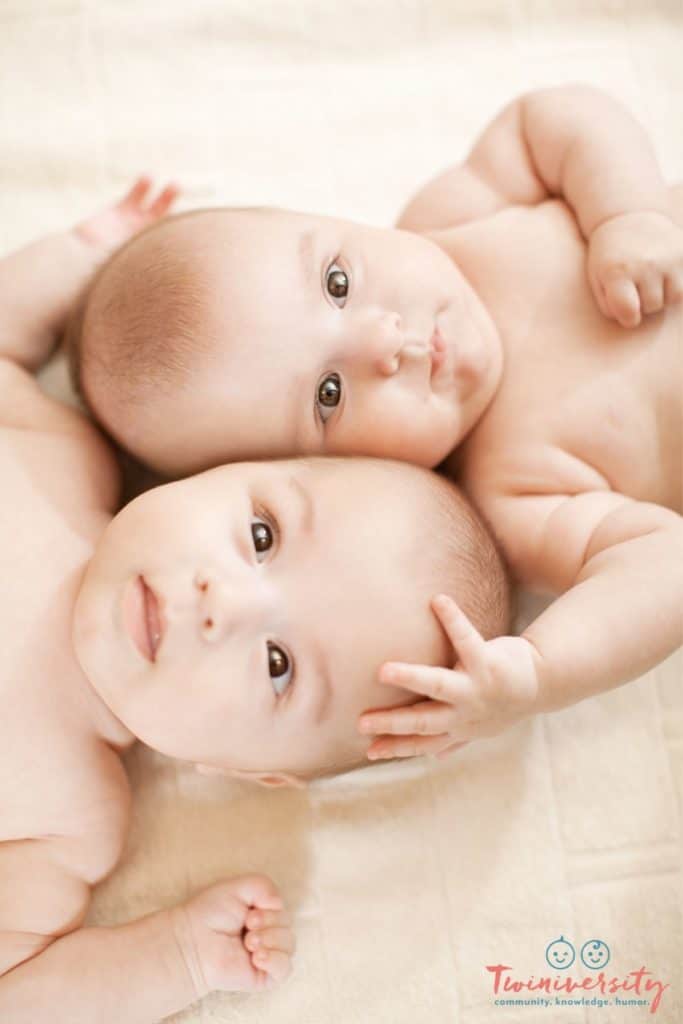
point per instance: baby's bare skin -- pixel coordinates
(64, 795)
(63, 791)
(561, 222)
(551, 430)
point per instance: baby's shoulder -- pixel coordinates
(24, 405)
(48, 432)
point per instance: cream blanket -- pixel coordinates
(406, 880)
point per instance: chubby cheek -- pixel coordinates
(405, 431)
(196, 710)
(419, 439)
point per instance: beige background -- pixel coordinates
(405, 880)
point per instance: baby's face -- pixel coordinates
(238, 618)
(330, 337)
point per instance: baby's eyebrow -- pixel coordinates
(322, 705)
(307, 506)
(306, 255)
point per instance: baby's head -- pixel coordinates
(245, 334)
(238, 619)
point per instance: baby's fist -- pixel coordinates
(235, 936)
(635, 265)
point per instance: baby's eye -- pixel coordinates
(262, 535)
(279, 668)
(337, 284)
(329, 395)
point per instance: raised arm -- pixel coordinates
(40, 283)
(572, 141)
(618, 564)
(579, 144)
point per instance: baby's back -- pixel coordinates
(63, 795)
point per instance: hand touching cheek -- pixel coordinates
(493, 684)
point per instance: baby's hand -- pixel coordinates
(635, 265)
(235, 936)
(494, 683)
(109, 228)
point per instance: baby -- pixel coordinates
(522, 323)
(235, 620)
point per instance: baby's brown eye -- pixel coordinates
(278, 663)
(262, 536)
(329, 395)
(337, 284)
(279, 668)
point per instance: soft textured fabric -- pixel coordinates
(407, 879)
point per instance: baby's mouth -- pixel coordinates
(153, 620)
(143, 618)
(438, 350)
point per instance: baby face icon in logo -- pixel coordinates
(560, 954)
(595, 954)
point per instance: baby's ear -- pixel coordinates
(269, 779)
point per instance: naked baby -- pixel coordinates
(235, 620)
(523, 323)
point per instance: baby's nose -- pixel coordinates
(390, 345)
(227, 606)
(382, 344)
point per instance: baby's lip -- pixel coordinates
(438, 350)
(143, 617)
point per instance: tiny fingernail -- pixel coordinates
(373, 755)
(365, 725)
(388, 674)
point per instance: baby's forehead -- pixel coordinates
(253, 225)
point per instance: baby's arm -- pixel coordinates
(571, 141)
(141, 972)
(577, 143)
(619, 566)
(40, 283)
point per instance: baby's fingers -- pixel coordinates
(276, 964)
(651, 291)
(281, 939)
(164, 201)
(407, 746)
(425, 718)
(256, 891)
(622, 300)
(673, 287)
(468, 644)
(256, 919)
(445, 685)
(135, 194)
